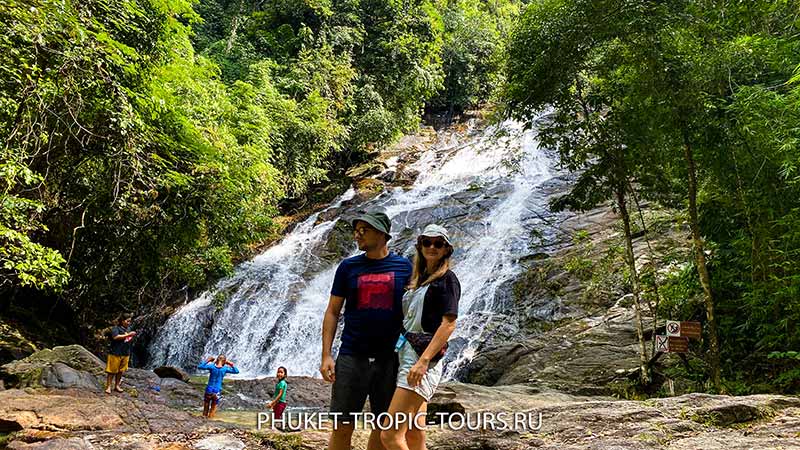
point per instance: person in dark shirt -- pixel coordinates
(370, 287)
(216, 373)
(119, 353)
(430, 307)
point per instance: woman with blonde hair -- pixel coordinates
(430, 308)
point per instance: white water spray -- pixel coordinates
(487, 191)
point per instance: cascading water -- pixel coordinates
(488, 191)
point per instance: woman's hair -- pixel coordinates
(219, 357)
(420, 275)
(285, 372)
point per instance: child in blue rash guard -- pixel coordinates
(217, 372)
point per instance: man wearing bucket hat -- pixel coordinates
(370, 287)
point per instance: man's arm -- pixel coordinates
(329, 322)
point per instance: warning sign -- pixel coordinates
(691, 330)
(672, 344)
(673, 328)
(662, 343)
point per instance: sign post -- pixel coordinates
(676, 339)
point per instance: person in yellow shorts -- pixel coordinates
(119, 353)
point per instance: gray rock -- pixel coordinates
(388, 176)
(583, 357)
(54, 444)
(171, 383)
(573, 423)
(338, 245)
(405, 176)
(172, 372)
(140, 379)
(219, 442)
(62, 376)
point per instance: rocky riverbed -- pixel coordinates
(55, 402)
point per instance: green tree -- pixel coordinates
(472, 52)
(683, 73)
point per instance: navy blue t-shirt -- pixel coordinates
(373, 309)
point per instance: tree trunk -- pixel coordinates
(653, 308)
(700, 262)
(644, 375)
(234, 28)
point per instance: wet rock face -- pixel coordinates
(574, 314)
(338, 245)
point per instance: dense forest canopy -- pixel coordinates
(694, 104)
(150, 144)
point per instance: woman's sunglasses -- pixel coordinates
(438, 243)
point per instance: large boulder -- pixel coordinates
(172, 372)
(141, 380)
(61, 376)
(59, 367)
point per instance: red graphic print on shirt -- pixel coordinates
(376, 291)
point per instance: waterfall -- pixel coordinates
(490, 192)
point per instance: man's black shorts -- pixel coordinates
(360, 377)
